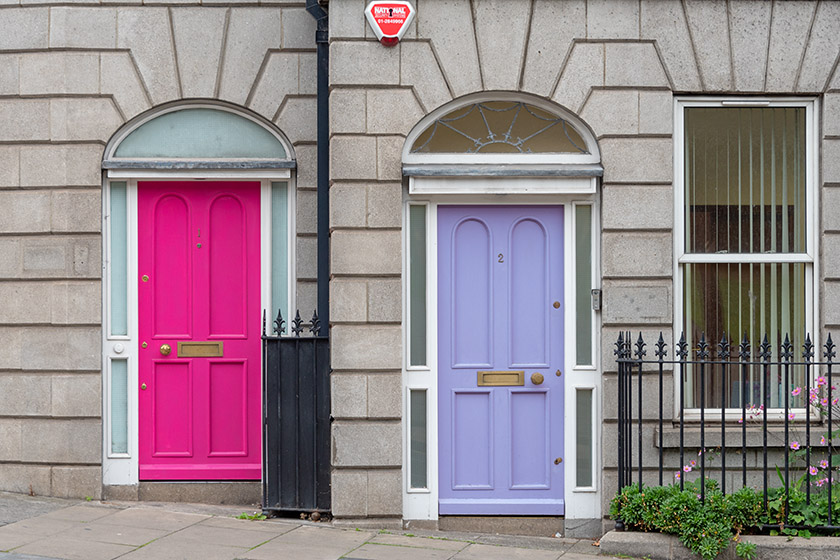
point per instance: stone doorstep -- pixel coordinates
(657, 546)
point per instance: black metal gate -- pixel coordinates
(296, 418)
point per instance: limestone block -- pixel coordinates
(24, 28)
(366, 347)
(69, 348)
(251, 32)
(831, 161)
(608, 19)
(61, 441)
(637, 254)
(384, 300)
(650, 392)
(11, 432)
(9, 74)
(830, 203)
(830, 301)
(347, 19)
(24, 119)
(9, 166)
(78, 303)
(10, 251)
(349, 489)
(307, 257)
(10, 338)
(83, 119)
(389, 157)
(637, 207)
(349, 396)
(24, 395)
(348, 205)
(367, 444)
(120, 78)
(392, 111)
(831, 255)
(831, 114)
(146, 31)
(420, 69)
(749, 28)
(77, 482)
(637, 159)
(453, 39)
(298, 29)
(306, 211)
(86, 28)
(788, 34)
(501, 60)
(612, 112)
(347, 111)
(348, 301)
(77, 395)
(584, 70)
(384, 205)
(279, 79)
(76, 211)
(633, 64)
(636, 302)
(353, 157)
(307, 166)
(307, 295)
(656, 112)
(366, 252)
(198, 36)
(665, 22)
(25, 211)
(553, 27)
(61, 165)
(384, 398)
(824, 43)
(384, 493)
(710, 30)
(299, 119)
(24, 479)
(59, 73)
(369, 62)
(24, 302)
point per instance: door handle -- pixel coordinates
(165, 349)
(537, 378)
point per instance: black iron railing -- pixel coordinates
(784, 392)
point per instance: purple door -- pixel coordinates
(500, 356)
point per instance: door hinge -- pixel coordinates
(596, 299)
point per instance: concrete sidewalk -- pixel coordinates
(36, 528)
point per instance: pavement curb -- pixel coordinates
(657, 546)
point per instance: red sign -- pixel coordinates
(389, 20)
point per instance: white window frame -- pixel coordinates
(809, 257)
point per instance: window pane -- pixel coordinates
(119, 260)
(583, 283)
(279, 256)
(418, 438)
(583, 437)
(119, 406)
(742, 299)
(417, 282)
(745, 180)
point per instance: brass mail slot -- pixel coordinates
(501, 378)
(201, 349)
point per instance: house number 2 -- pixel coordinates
(501, 258)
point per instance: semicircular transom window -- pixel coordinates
(201, 133)
(499, 127)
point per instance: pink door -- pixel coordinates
(199, 297)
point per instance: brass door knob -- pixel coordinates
(143, 386)
(537, 378)
(165, 349)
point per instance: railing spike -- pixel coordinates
(296, 324)
(315, 324)
(682, 347)
(723, 347)
(829, 349)
(765, 349)
(263, 323)
(702, 348)
(808, 348)
(640, 347)
(661, 351)
(787, 348)
(744, 348)
(619, 345)
(279, 323)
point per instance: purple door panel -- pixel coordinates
(500, 272)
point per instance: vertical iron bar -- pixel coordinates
(619, 350)
(660, 352)
(765, 356)
(629, 408)
(702, 355)
(786, 355)
(682, 353)
(745, 358)
(724, 357)
(829, 354)
(807, 354)
(640, 355)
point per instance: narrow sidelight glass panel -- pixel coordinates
(119, 406)
(417, 283)
(583, 284)
(417, 431)
(119, 259)
(279, 248)
(583, 437)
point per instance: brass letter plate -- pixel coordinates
(501, 378)
(200, 349)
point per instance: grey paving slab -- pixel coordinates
(153, 519)
(10, 540)
(59, 546)
(173, 548)
(16, 507)
(491, 552)
(312, 543)
(15, 556)
(372, 551)
(38, 527)
(114, 534)
(271, 526)
(421, 542)
(220, 536)
(82, 513)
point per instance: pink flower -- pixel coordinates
(834, 401)
(821, 381)
(740, 420)
(794, 445)
(677, 475)
(687, 468)
(693, 463)
(796, 391)
(812, 470)
(822, 440)
(824, 401)
(823, 464)
(822, 481)
(791, 416)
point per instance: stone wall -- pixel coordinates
(70, 76)
(615, 63)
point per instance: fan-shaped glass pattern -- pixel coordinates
(499, 127)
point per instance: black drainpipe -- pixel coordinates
(322, 38)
